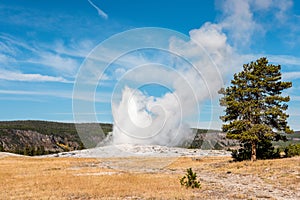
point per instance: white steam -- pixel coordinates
(143, 119)
(147, 120)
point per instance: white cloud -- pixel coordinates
(4, 59)
(70, 113)
(286, 60)
(294, 112)
(210, 36)
(18, 76)
(119, 72)
(64, 94)
(79, 49)
(237, 19)
(65, 65)
(32, 99)
(213, 57)
(244, 19)
(15, 53)
(100, 12)
(291, 75)
(295, 98)
(262, 4)
(283, 7)
(83, 96)
(214, 125)
(12, 45)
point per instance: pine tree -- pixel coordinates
(190, 179)
(255, 107)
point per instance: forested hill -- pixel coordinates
(42, 137)
(48, 127)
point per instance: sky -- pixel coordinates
(44, 44)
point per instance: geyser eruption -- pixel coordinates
(141, 119)
(189, 67)
(194, 76)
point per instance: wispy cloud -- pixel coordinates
(66, 65)
(71, 113)
(243, 19)
(237, 19)
(18, 76)
(100, 12)
(24, 92)
(14, 53)
(13, 45)
(295, 113)
(291, 75)
(287, 60)
(295, 98)
(102, 97)
(79, 49)
(21, 99)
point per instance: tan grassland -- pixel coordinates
(140, 178)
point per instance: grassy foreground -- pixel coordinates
(83, 178)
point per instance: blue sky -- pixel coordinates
(44, 43)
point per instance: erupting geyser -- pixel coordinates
(141, 119)
(190, 67)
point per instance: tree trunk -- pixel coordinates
(253, 151)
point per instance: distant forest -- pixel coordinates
(48, 127)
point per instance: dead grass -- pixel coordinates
(83, 178)
(74, 178)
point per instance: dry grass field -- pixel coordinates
(140, 178)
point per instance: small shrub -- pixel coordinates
(190, 179)
(292, 150)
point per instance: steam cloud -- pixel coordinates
(143, 119)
